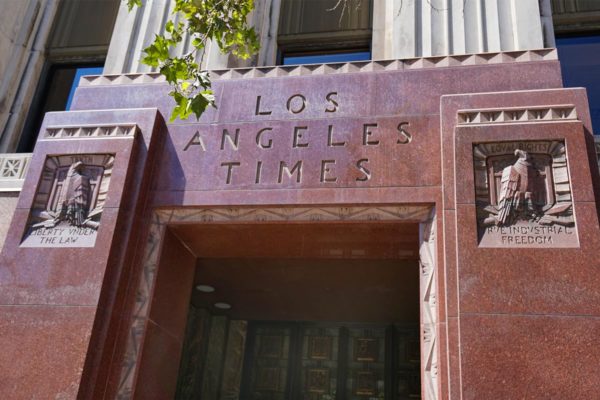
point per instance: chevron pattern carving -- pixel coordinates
(79, 132)
(336, 68)
(517, 115)
(429, 350)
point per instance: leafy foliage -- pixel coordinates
(222, 21)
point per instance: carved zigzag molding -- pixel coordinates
(337, 68)
(565, 112)
(89, 131)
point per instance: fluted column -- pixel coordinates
(423, 28)
(25, 29)
(135, 30)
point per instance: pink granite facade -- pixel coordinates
(509, 290)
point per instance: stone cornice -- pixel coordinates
(337, 68)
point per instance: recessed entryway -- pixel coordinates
(313, 311)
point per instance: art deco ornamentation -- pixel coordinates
(366, 349)
(424, 215)
(429, 307)
(94, 131)
(336, 68)
(565, 112)
(320, 347)
(366, 383)
(12, 170)
(523, 195)
(317, 380)
(69, 201)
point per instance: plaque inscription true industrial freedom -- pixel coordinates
(524, 195)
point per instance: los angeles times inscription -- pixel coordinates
(69, 201)
(523, 195)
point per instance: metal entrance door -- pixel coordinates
(324, 361)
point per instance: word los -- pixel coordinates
(296, 103)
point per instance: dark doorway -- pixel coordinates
(351, 361)
(303, 312)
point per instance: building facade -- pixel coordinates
(393, 199)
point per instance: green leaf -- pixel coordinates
(182, 108)
(133, 3)
(222, 21)
(198, 104)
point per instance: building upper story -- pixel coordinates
(47, 45)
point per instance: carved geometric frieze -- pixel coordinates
(336, 68)
(429, 307)
(69, 201)
(12, 170)
(518, 115)
(523, 195)
(95, 131)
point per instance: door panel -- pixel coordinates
(366, 363)
(270, 355)
(319, 362)
(408, 366)
(325, 361)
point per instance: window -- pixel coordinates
(77, 45)
(295, 59)
(319, 31)
(580, 62)
(55, 93)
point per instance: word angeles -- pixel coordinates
(274, 149)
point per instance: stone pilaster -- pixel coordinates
(424, 28)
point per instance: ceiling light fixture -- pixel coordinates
(205, 288)
(222, 306)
